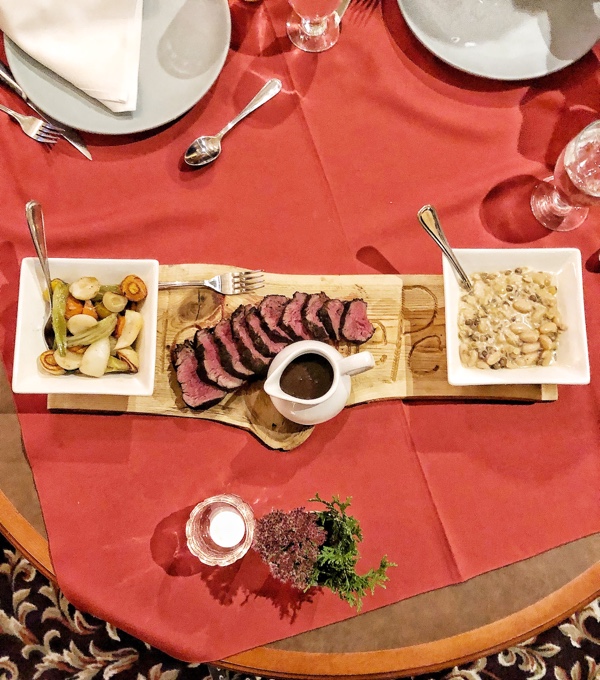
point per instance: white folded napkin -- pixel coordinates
(94, 44)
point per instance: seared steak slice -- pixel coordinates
(228, 351)
(355, 325)
(330, 315)
(263, 343)
(249, 355)
(291, 321)
(270, 311)
(195, 392)
(310, 316)
(210, 368)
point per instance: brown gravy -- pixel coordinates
(308, 376)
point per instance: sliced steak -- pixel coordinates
(330, 315)
(229, 352)
(310, 316)
(210, 368)
(263, 343)
(355, 325)
(291, 321)
(270, 311)
(249, 355)
(195, 392)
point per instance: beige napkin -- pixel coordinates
(94, 44)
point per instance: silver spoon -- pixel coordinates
(35, 222)
(206, 149)
(430, 222)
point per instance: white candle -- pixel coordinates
(226, 527)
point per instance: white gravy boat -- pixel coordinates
(313, 411)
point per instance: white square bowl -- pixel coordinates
(29, 378)
(572, 366)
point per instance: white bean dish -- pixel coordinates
(509, 320)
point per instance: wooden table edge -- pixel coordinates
(431, 656)
(23, 536)
(379, 664)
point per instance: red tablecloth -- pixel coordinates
(326, 178)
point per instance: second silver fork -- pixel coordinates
(34, 127)
(231, 283)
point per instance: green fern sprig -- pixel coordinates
(335, 567)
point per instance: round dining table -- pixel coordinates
(486, 501)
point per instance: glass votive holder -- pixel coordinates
(220, 530)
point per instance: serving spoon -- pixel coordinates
(206, 149)
(35, 222)
(430, 222)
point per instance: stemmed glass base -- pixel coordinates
(313, 36)
(552, 210)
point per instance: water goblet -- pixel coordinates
(562, 202)
(313, 25)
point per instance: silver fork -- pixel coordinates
(231, 283)
(34, 127)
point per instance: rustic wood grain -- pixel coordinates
(408, 346)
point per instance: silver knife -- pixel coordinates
(71, 135)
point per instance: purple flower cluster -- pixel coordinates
(289, 542)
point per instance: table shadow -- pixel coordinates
(555, 108)
(370, 256)
(248, 578)
(506, 214)
(592, 264)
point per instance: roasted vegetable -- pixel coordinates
(85, 288)
(59, 322)
(130, 357)
(73, 307)
(133, 288)
(70, 362)
(95, 358)
(48, 363)
(133, 325)
(114, 302)
(117, 366)
(101, 310)
(79, 323)
(89, 309)
(97, 332)
(116, 288)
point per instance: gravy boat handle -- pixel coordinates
(356, 363)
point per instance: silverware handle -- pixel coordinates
(268, 91)
(10, 112)
(35, 222)
(7, 78)
(163, 285)
(429, 220)
(341, 10)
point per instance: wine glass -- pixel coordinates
(313, 26)
(561, 202)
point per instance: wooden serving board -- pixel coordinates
(408, 345)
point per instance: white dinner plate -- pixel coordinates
(505, 39)
(184, 46)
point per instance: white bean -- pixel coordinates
(529, 336)
(523, 305)
(548, 327)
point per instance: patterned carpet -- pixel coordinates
(43, 636)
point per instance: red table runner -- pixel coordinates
(326, 178)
